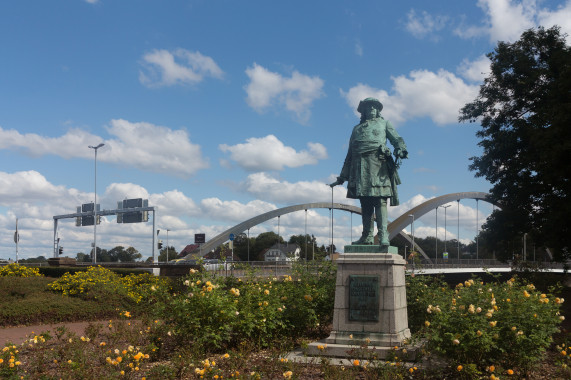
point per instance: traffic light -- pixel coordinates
(60, 251)
(160, 245)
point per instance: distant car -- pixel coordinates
(184, 262)
(212, 264)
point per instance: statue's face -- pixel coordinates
(370, 111)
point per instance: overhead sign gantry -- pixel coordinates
(128, 211)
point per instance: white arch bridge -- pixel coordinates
(395, 227)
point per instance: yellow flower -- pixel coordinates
(266, 292)
(426, 323)
(356, 362)
(456, 341)
(459, 368)
(526, 294)
(492, 368)
(226, 356)
(288, 374)
(510, 372)
(479, 333)
(411, 370)
(493, 323)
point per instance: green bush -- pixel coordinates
(16, 270)
(499, 324)
(98, 282)
(215, 313)
(57, 272)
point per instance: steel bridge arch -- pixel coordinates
(402, 221)
(395, 227)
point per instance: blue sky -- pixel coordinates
(217, 111)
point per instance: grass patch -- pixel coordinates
(26, 300)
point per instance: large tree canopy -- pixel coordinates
(524, 107)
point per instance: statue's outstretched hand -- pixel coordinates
(338, 182)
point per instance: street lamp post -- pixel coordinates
(168, 245)
(94, 258)
(436, 240)
(412, 231)
(445, 207)
(458, 221)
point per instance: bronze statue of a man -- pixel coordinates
(370, 170)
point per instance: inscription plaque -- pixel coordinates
(363, 298)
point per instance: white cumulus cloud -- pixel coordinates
(167, 68)
(296, 93)
(141, 145)
(263, 186)
(437, 95)
(507, 19)
(475, 71)
(269, 153)
(424, 24)
(233, 210)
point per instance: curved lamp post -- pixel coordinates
(94, 258)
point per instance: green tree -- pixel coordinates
(304, 241)
(172, 254)
(264, 241)
(241, 244)
(39, 259)
(524, 107)
(119, 253)
(102, 255)
(83, 257)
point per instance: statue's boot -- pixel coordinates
(382, 223)
(367, 238)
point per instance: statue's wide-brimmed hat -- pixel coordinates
(363, 102)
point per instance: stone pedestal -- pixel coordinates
(370, 303)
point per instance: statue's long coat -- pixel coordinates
(369, 168)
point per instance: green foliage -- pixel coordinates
(9, 362)
(503, 324)
(304, 241)
(120, 254)
(15, 270)
(524, 107)
(422, 291)
(57, 272)
(215, 312)
(26, 300)
(99, 281)
(264, 241)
